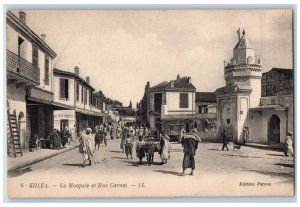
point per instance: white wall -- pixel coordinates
(56, 91)
(173, 100)
(16, 101)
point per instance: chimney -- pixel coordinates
(178, 76)
(22, 17)
(189, 79)
(87, 79)
(172, 84)
(43, 36)
(76, 70)
(147, 85)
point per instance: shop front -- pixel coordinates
(65, 118)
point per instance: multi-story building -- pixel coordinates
(29, 71)
(79, 107)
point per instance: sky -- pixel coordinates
(123, 49)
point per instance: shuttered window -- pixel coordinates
(64, 88)
(77, 91)
(46, 70)
(184, 101)
(82, 94)
(35, 56)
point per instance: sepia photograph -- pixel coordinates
(149, 103)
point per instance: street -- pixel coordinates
(249, 171)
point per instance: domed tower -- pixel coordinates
(245, 69)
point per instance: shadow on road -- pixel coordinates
(274, 174)
(285, 165)
(119, 158)
(278, 155)
(168, 172)
(19, 172)
(116, 151)
(214, 149)
(74, 165)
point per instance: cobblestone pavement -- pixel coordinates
(217, 172)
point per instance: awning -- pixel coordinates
(62, 106)
(91, 113)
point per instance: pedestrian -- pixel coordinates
(129, 142)
(146, 132)
(165, 147)
(99, 137)
(55, 140)
(181, 134)
(225, 139)
(85, 147)
(140, 152)
(190, 146)
(119, 131)
(65, 136)
(289, 145)
(124, 136)
(245, 134)
(113, 132)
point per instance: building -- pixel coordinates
(262, 103)
(170, 105)
(29, 71)
(274, 117)
(206, 106)
(77, 107)
(277, 81)
(242, 90)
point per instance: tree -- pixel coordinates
(130, 105)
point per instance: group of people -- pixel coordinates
(58, 140)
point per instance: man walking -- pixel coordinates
(225, 139)
(86, 145)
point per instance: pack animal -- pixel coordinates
(237, 147)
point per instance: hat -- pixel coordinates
(88, 129)
(290, 133)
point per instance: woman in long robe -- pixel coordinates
(190, 146)
(165, 148)
(86, 146)
(289, 149)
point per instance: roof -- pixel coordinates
(181, 83)
(206, 97)
(233, 89)
(274, 106)
(288, 71)
(243, 43)
(30, 33)
(70, 74)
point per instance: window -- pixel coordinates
(82, 98)
(77, 91)
(35, 56)
(46, 70)
(91, 97)
(203, 109)
(85, 96)
(184, 101)
(64, 88)
(21, 47)
(228, 121)
(157, 102)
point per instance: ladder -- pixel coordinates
(14, 141)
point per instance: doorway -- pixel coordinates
(274, 130)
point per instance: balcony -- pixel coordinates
(20, 70)
(242, 67)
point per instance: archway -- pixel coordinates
(274, 130)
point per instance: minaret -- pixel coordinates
(245, 69)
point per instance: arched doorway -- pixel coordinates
(274, 130)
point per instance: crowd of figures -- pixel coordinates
(55, 140)
(138, 139)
